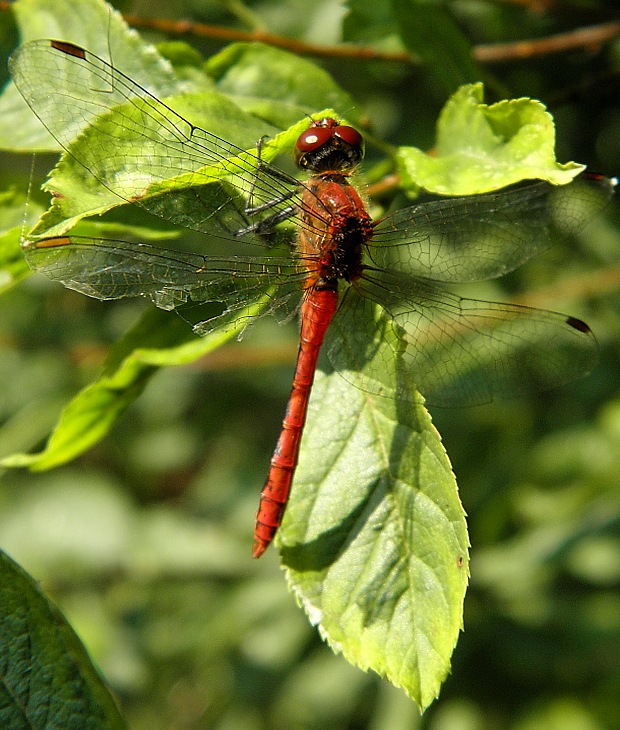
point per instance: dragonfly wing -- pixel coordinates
(485, 236)
(455, 351)
(129, 140)
(362, 345)
(107, 269)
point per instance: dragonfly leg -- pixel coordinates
(266, 224)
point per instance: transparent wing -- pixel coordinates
(107, 269)
(139, 141)
(484, 236)
(457, 352)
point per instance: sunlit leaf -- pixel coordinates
(484, 147)
(64, 20)
(374, 540)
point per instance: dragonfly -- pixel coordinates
(368, 292)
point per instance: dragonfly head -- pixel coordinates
(328, 145)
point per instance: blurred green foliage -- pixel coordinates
(144, 540)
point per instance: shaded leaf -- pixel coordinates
(48, 680)
(429, 32)
(277, 86)
(158, 340)
(12, 262)
(14, 216)
(370, 22)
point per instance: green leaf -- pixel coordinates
(111, 229)
(277, 86)
(94, 25)
(16, 211)
(181, 55)
(13, 266)
(370, 23)
(78, 194)
(48, 680)
(484, 147)
(14, 215)
(429, 32)
(158, 340)
(374, 539)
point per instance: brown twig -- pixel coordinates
(534, 6)
(583, 286)
(590, 38)
(185, 27)
(387, 184)
(244, 355)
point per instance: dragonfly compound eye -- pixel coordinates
(328, 145)
(313, 138)
(349, 135)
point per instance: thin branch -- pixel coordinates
(188, 27)
(590, 38)
(534, 6)
(584, 286)
(387, 184)
(243, 355)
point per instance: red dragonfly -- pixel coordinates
(367, 287)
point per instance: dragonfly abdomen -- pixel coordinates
(317, 310)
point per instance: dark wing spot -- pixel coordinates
(68, 48)
(578, 324)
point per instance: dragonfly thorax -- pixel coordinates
(336, 225)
